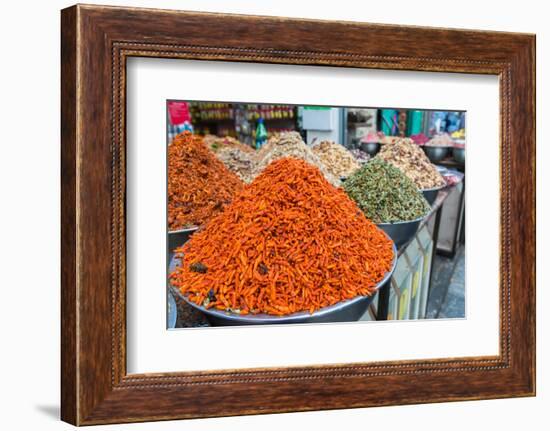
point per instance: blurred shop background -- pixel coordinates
(430, 275)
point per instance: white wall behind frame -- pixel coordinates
(31, 326)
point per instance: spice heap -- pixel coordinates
(288, 242)
(337, 160)
(419, 138)
(360, 155)
(289, 144)
(216, 143)
(199, 185)
(385, 194)
(238, 161)
(410, 158)
(372, 137)
(441, 140)
(388, 140)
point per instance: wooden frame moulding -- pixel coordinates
(96, 41)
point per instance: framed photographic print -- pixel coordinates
(264, 214)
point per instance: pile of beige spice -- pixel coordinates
(409, 157)
(336, 158)
(290, 144)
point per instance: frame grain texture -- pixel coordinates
(95, 43)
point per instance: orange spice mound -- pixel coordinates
(199, 185)
(289, 241)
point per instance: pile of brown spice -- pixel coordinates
(288, 242)
(361, 156)
(289, 144)
(441, 140)
(388, 140)
(409, 157)
(336, 158)
(238, 161)
(217, 143)
(199, 185)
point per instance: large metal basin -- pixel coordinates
(401, 232)
(459, 154)
(176, 238)
(372, 148)
(431, 194)
(346, 311)
(172, 311)
(435, 154)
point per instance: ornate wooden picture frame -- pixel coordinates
(96, 42)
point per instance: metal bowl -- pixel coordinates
(349, 310)
(435, 154)
(370, 147)
(459, 154)
(176, 238)
(172, 311)
(402, 231)
(431, 194)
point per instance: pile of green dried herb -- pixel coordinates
(385, 194)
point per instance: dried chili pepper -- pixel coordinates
(288, 242)
(199, 185)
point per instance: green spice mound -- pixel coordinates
(385, 194)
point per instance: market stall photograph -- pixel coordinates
(288, 214)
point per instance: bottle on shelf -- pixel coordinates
(261, 133)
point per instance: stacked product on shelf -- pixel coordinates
(213, 118)
(277, 118)
(204, 111)
(227, 119)
(270, 112)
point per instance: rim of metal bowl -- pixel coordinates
(437, 146)
(263, 318)
(172, 317)
(434, 188)
(403, 221)
(184, 230)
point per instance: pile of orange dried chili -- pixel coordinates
(199, 185)
(289, 241)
